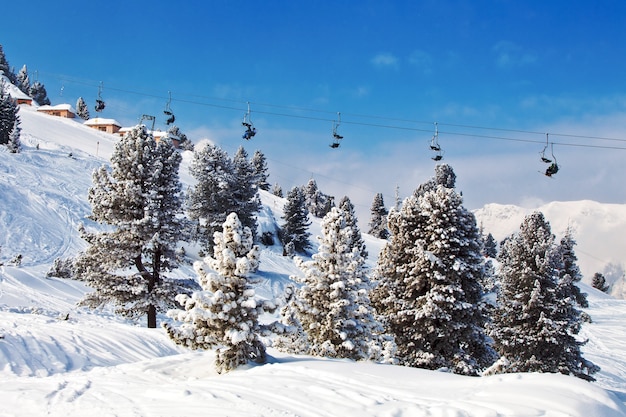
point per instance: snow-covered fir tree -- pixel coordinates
(570, 275)
(428, 283)
(22, 80)
(316, 201)
(294, 231)
(332, 305)
(378, 219)
(277, 190)
(490, 247)
(15, 145)
(5, 68)
(184, 143)
(352, 222)
(209, 201)
(224, 315)
(260, 170)
(8, 115)
(535, 323)
(38, 93)
(81, 109)
(245, 194)
(139, 202)
(599, 282)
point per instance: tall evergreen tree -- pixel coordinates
(245, 195)
(140, 203)
(429, 291)
(352, 222)
(210, 201)
(260, 169)
(38, 93)
(490, 247)
(296, 216)
(9, 118)
(225, 313)
(15, 145)
(332, 306)
(5, 69)
(316, 201)
(22, 80)
(570, 275)
(534, 325)
(81, 109)
(378, 219)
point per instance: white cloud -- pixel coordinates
(509, 54)
(385, 60)
(421, 60)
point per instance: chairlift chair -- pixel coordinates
(99, 102)
(434, 145)
(247, 123)
(168, 111)
(553, 168)
(544, 158)
(336, 136)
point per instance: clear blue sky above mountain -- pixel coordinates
(495, 76)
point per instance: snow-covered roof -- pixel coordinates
(100, 122)
(57, 107)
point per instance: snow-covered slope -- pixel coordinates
(60, 360)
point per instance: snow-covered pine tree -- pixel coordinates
(352, 222)
(210, 200)
(570, 275)
(15, 145)
(22, 80)
(260, 169)
(316, 201)
(490, 247)
(140, 203)
(225, 313)
(332, 306)
(277, 190)
(296, 216)
(38, 93)
(81, 109)
(8, 114)
(429, 291)
(5, 68)
(184, 143)
(599, 282)
(245, 194)
(534, 327)
(378, 219)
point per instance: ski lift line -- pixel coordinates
(386, 126)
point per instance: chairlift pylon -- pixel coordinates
(247, 123)
(168, 111)
(99, 102)
(336, 136)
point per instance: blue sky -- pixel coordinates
(495, 76)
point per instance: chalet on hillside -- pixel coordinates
(104, 125)
(19, 97)
(60, 110)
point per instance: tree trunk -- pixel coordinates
(152, 317)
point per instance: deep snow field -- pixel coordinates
(96, 364)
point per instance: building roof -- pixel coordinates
(57, 107)
(102, 122)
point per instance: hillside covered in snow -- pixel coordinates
(62, 360)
